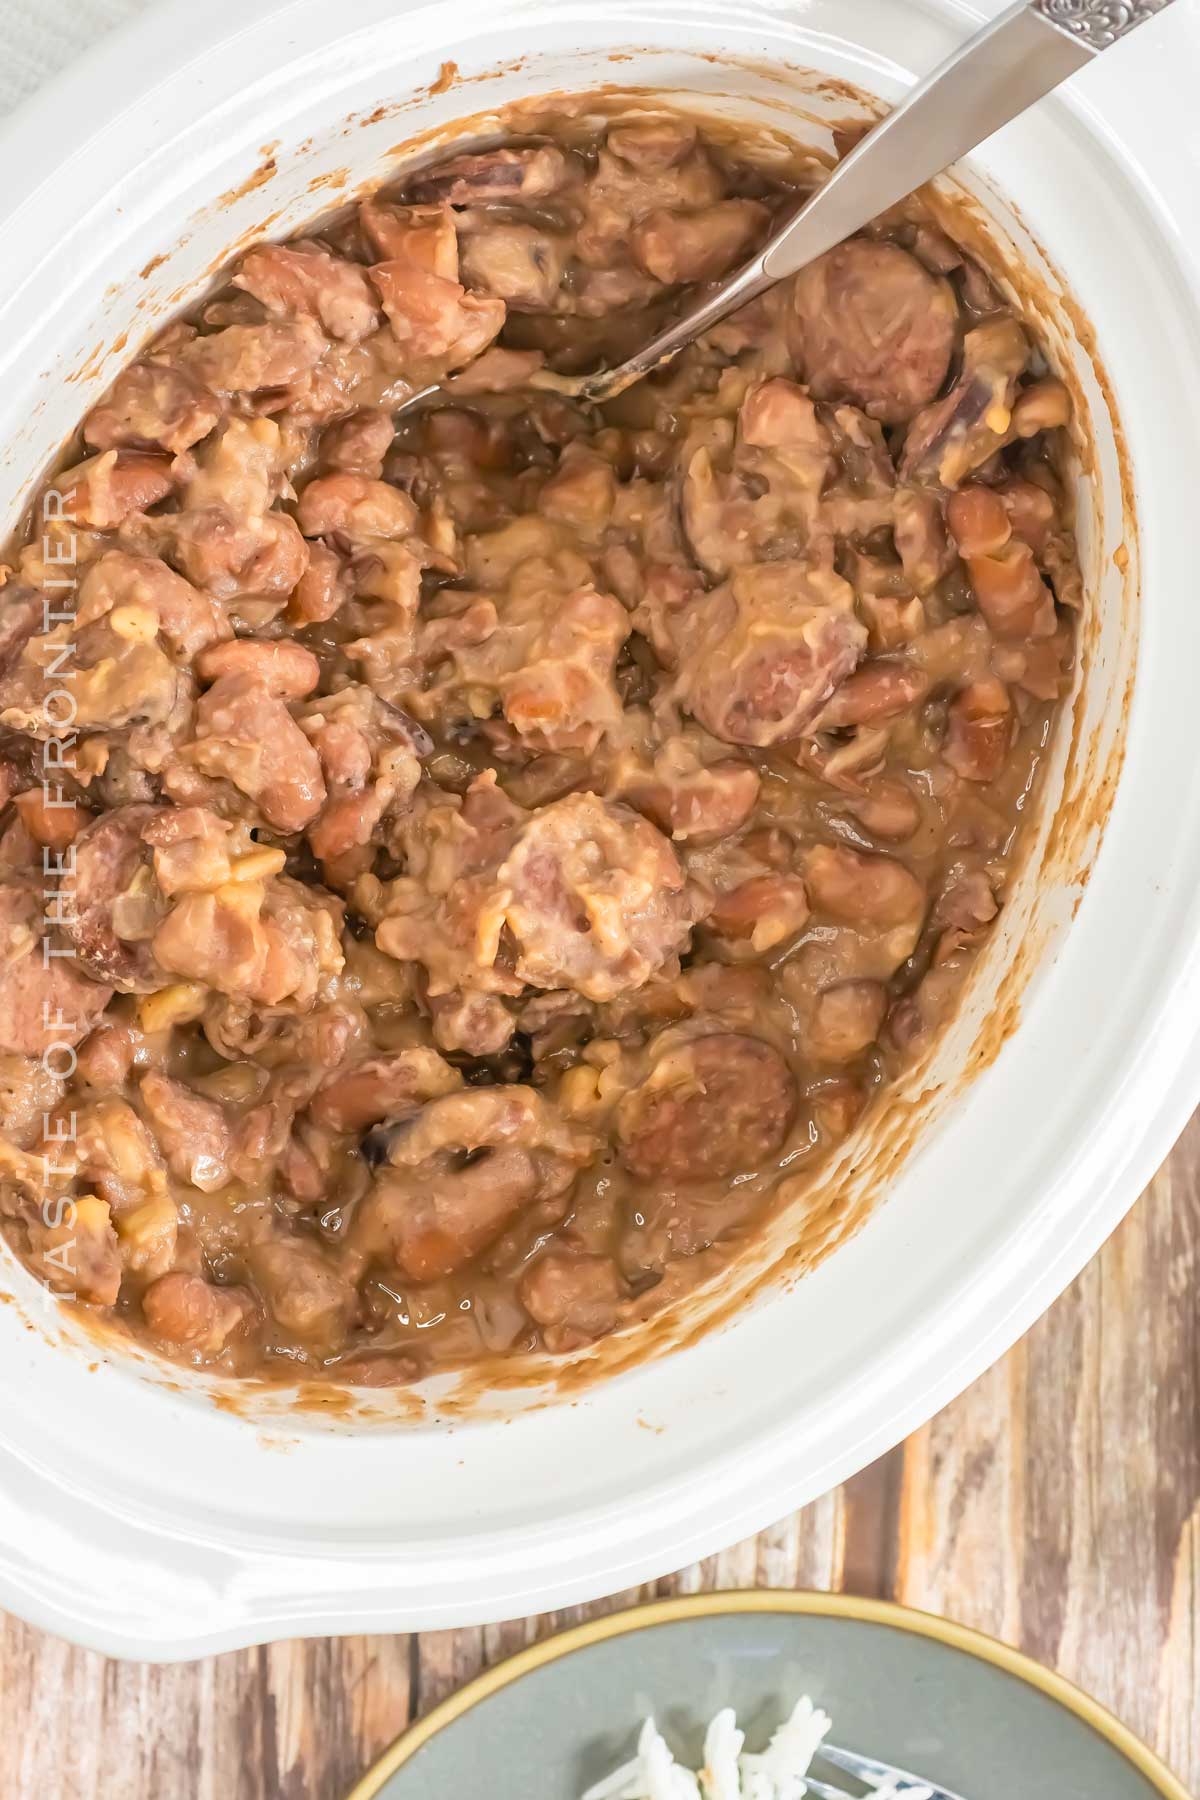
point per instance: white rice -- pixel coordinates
(730, 1772)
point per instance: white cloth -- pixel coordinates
(40, 37)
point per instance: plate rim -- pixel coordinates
(724, 1601)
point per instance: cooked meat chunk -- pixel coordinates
(111, 905)
(153, 406)
(598, 900)
(869, 324)
(710, 1107)
(765, 652)
(311, 284)
(46, 1001)
(460, 1171)
(575, 1299)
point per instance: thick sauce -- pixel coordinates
(453, 865)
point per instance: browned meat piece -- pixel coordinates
(433, 319)
(309, 283)
(359, 444)
(581, 492)
(653, 145)
(192, 1132)
(108, 1056)
(597, 900)
(286, 670)
(920, 534)
(243, 359)
(45, 998)
(110, 903)
(764, 653)
(474, 179)
(228, 538)
(245, 735)
(979, 727)
(957, 434)
(383, 1087)
(711, 1107)
(369, 754)
(473, 1024)
(125, 589)
(153, 406)
(846, 1021)
(103, 492)
(190, 1313)
(876, 892)
(1004, 577)
(574, 1298)
(28, 1092)
(551, 672)
(308, 1296)
(322, 590)
(693, 801)
(878, 690)
(77, 1257)
(460, 1171)
(770, 501)
(698, 246)
(272, 943)
(870, 325)
(355, 507)
(521, 264)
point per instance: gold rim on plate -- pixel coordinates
(775, 1600)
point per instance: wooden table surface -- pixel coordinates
(1056, 1505)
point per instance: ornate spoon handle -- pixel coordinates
(1098, 23)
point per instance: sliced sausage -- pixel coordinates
(112, 905)
(871, 325)
(711, 1107)
(597, 901)
(765, 652)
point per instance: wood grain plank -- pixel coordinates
(1056, 1504)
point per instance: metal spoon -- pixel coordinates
(1007, 66)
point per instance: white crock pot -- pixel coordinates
(139, 1517)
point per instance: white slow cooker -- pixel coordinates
(144, 1514)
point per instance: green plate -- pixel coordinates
(965, 1711)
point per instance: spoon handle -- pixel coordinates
(996, 75)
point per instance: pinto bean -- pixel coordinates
(846, 1021)
(189, 1313)
(979, 729)
(862, 889)
(286, 670)
(574, 1298)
